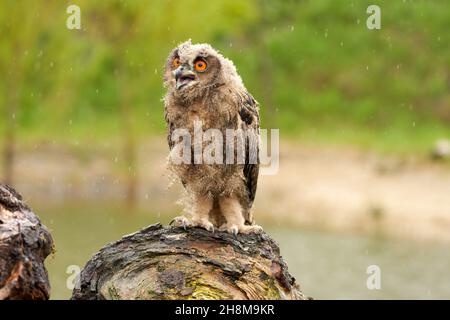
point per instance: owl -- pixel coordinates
(203, 87)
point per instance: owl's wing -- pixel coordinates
(249, 114)
(170, 128)
(170, 142)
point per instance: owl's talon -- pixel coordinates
(244, 229)
(205, 224)
(210, 227)
(233, 229)
(181, 221)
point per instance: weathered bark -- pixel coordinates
(172, 263)
(24, 245)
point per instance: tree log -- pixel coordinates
(24, 245)
(172, 263)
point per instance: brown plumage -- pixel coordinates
(202, 85)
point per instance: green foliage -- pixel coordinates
(313, 65)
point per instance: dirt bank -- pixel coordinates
(327, 187)
(353, 190)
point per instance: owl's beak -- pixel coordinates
(183, 76)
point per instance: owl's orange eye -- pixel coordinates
(200, 65)
(176, 62)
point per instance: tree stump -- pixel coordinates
(172, 263)
(24, 245)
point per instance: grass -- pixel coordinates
(415, 137)
(319, 74)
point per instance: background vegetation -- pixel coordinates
(318, 72)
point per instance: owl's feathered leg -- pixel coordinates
(200, 215)
(232, 211)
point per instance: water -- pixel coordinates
(327, 265)
(333, 266)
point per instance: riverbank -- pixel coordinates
(332, 188)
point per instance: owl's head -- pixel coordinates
(193, 70)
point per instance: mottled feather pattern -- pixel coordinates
(218, 98)
(250, 118)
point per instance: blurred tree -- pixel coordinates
(114, 24)
(271, 16)
(11, 66)
(19, 32)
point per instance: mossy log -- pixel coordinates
(172, 263)
(24, 245)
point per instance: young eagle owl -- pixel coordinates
(204, 87)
